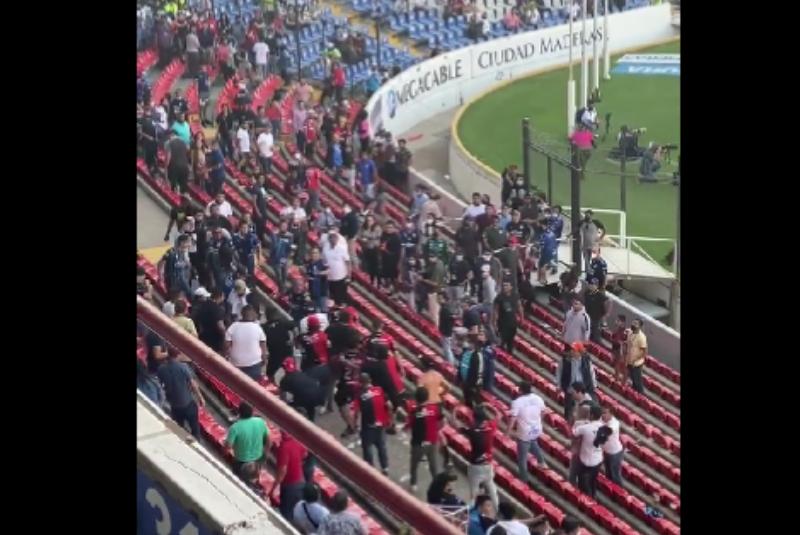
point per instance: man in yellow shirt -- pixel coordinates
(637, 354)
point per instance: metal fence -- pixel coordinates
(613, 180)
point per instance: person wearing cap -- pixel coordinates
(238, 299)
(575, 367)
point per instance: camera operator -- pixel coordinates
(628, 142)
(651, 163)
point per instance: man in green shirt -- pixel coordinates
(248, 438)
(434, 280)
(437, 247)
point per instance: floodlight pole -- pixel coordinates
(606, 51)
(571, 83)
(595, 55)
(575, 204)
(526, 154)
(584, 60)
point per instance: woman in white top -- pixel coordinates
(613, 450)
(246, 344)
(590, 454)
(525, 426)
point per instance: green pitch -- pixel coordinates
(490, 129)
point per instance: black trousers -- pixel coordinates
(338, 291)
(178, 177)
(507, 334)
(472, 396)
(587, 479)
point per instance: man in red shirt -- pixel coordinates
(425, 421)
(339, 81)
(371, 405)
(481, 440)
(311, 127)
(290, 479)
(313, 181)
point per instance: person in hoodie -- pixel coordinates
(481, 516)
(282, 243)
(472, 371)
(575, 367)
(486, 347)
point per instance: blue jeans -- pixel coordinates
(613, 465)
(448, 349)
(523, 449)
(321, 304)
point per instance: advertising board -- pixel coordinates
(450, 80)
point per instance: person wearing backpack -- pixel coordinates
(593, 435)
(309, 513)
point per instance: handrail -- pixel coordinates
(407, 507)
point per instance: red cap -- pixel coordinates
(313, 322)
(513, 240)
(577, 346)
(353, 314)
(290, 365)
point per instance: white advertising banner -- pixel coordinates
(450, 80)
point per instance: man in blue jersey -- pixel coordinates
(282, 243)
(548, 245)
(367, 174)
(219, 255)
(598, 269)
(409, 238)
(247, 247)
(317, 275)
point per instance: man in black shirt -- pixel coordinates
(177, 163)
(447, 321)
(517, 229)
(598, 307)
(300, 390)
(467, 239)
(179, 105)
(529, 211)
(208, 316)
(148, 139)
(480, 471)
(507, 307)
(279, 343)
(459, 272)
(225, 131)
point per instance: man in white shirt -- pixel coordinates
(506, 518)
(535, 16)
(613, 450)
(261, 50)
(295, 213)
(265, 143)
(590, 454)
(589, 118)
(225, 209)
(476, 208)
(243, 141)
(334, 252)
(246, 344)
(525, 426)
(238, 298)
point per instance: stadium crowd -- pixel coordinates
(474, 289)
